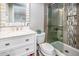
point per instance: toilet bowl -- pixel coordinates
(45, 49)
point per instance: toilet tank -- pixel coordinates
(40, 38)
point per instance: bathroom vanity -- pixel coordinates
(19, 43)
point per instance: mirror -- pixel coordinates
(15, 14)
(18, 14)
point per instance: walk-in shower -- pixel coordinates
(63, 25)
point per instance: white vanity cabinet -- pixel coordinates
(20, 44)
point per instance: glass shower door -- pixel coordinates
(55, 18)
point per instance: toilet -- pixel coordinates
(44, 49)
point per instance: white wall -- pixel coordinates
(37, 16)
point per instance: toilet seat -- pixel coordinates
(47, 49)
(45, 54)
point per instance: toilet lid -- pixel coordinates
(46, 47)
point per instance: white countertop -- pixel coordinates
(16, 33)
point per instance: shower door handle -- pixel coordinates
(74, 42)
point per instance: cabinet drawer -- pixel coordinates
(19, 51)
(26, 39)
(32, 53)
(24, 50)
(7, 43)
(7, 53)
(13, 41)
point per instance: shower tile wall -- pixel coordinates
(71, 24)
(77, 28)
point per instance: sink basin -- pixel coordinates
(6, 34)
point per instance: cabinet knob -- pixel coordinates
(27, 49)
(27, 40)
(74, 42)
(7, 55)
(7, 44)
